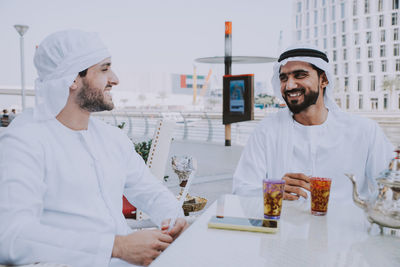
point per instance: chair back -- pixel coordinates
(158, 154)
(160, 146)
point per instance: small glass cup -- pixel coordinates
(273, 195)
(320, 191)
(183, 166)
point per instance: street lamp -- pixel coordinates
(22, 29)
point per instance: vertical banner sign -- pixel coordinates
(238, 98)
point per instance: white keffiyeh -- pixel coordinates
(58, 60)
(318, 62)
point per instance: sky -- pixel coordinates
(149, 35)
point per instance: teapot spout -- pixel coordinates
(356, 198)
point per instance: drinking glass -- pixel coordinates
(320, 190)
(273, 195)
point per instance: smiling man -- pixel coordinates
(63, 173)
(312, 136)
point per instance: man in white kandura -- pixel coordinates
(63, 173)
(312, 137)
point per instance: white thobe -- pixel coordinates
(344, 143)
(61, 193)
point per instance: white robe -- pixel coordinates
(61, 193)
(344, 143)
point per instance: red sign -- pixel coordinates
(183, 81)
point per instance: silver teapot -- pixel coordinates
(383, 208)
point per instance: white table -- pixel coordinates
(340, 238)
(39, 265)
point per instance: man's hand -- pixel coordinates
(141, 247)
(180, 226)
(294, 184)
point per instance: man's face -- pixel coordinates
(300, 85)
(94, 94)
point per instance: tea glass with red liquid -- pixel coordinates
(320, 191)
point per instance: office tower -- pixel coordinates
(361, 38)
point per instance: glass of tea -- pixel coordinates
(320, 190)
(273, 195)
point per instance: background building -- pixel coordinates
(183, 83)
(361, 39)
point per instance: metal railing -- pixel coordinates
(194, 126)
(208, 127)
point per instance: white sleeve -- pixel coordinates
(252, 166)
(148, 193)
(23, 237)
(380, 153)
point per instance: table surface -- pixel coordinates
(340, 238)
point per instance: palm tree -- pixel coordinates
(265, 100)
(390, 84)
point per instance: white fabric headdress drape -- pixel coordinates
(318, 62)
(58, 60)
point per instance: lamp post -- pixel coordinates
(22, 29)
(228, 71)
(228, 59)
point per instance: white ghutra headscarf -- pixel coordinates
(312, 55)
(58, 60)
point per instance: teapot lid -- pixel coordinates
(391, 176)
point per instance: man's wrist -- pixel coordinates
(117, 248)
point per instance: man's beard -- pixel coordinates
(92, 100)
(309, 99)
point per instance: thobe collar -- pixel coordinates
(322, 125)
(85, 136)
